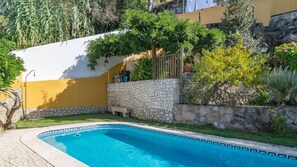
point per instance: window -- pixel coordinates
(193, 5)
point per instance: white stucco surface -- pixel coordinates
(63, 60)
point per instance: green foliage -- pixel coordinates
(278, 122)
(281, 84)
(247, 39)
(286, 55)
(144, 31)
(201, 38)
(142, 70)
(122, 44)
(239, 16)
(235, 65)
(136, 4)
(10, 65)
(3, 22)
(163, 30)
(261, 96)
(33, 22)
(106, 15)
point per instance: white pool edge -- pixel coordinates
(58, 158)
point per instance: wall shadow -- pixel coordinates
(76, 92)
(72, 71)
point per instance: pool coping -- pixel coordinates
(58, 158)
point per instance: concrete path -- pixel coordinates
(15, 154)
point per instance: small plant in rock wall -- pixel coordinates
(278, 122)
(286, 55)
(261, 96)
(281, 84)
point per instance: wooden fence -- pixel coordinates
(168, 66)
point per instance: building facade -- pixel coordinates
(212, 11)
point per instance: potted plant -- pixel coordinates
(188, 64)
(188, 67)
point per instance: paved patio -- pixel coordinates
(15, 154)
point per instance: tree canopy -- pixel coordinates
(239, 16)
(144, 31)
(238, 20)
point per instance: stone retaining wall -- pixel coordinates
(149, 100)
(243, 118)
(49, 112)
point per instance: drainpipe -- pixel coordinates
(26, 103)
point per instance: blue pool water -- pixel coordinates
(123, 145)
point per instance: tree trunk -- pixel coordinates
(9, 112)
(1, 126)
(73, 30)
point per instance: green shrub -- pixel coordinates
(261, 96)
(286, 55)
(281, 84)
(278, 122)
(233, 65)
(142, 70)
(10, 65)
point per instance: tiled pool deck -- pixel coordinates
(15, 154)
(15, 144)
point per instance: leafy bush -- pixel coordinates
(278, 122)
(261, 96)
(286, 55)
(10, 65)
(281, 84)
(248, 40)
(235, 66)
(142, 70)
(202, 38)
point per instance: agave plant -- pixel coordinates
(281, 84)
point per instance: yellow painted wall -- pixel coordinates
(264, 9)
(69, 92)
(283, 6)
(16, 85)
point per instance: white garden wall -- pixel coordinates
(63, 60)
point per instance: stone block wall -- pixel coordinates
(242, 118)
(149, 100)
(49, 112)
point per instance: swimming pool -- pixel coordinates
(126, 145)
